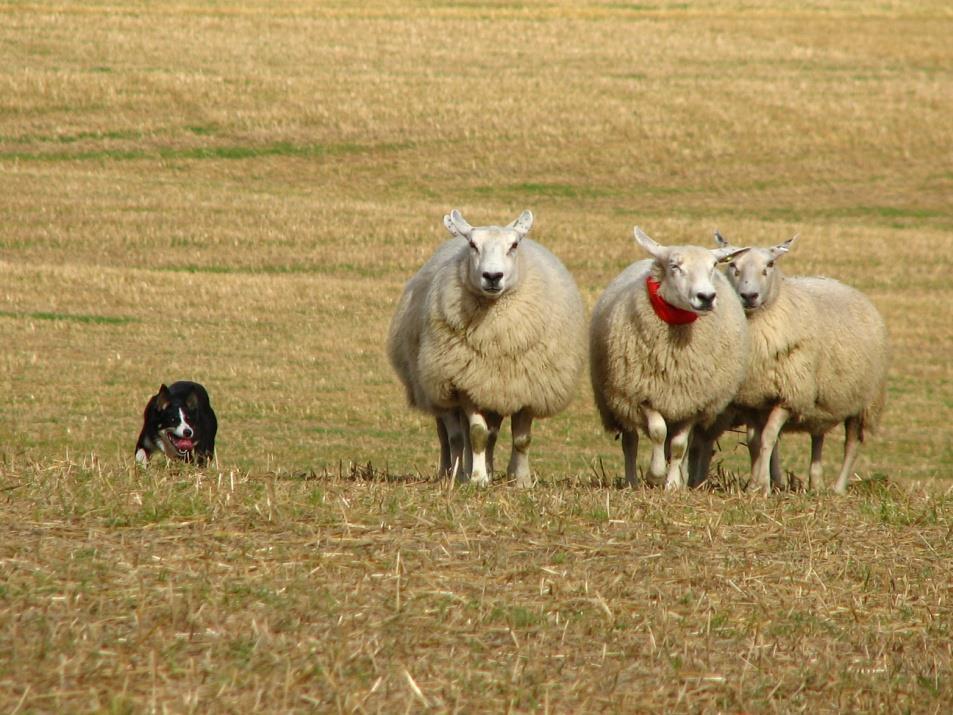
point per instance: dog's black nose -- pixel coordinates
(187, 432)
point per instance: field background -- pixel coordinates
(235, 193)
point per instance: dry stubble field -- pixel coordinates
(236, 192)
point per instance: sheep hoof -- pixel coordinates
(480, 480)
(524, 481)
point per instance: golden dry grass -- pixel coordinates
(236, 192)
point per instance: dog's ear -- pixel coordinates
(163, 398)
(192, 401)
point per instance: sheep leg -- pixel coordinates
(456, 443)
(466, 457)
(445, 464)
(493, 422)
(777, 479)
(479, 436)
(754, 448)
(851, 445)
(655, 426)
(630, 448)
(816, 473)
(522, 425)
(701, 449)
(768, 438)
(678, 445)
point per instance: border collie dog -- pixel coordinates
(179, 422)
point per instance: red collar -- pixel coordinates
(666, 311)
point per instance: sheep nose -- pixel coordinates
(493, 278)
(749, 298)
(705, 298)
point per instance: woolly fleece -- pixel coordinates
(819, 350)
(526, 349)
(685, 372)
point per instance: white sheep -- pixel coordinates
(491, 326)
(818, 358)
(655, 367)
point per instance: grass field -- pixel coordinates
(236, 192)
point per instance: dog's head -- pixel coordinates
(174, 421)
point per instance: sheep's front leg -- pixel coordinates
(630, 448)
(445, 463)
(452, 424)
(777, 479)
(655, 426)
(479, 437)
(522, 427)
(768, 438)
(851, 445)
(493, 422)
(701, 449)
(678, 445)
(816, 472)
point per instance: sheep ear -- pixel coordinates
(727, 252)
(653, 248)
(720, 240)
(523, 224)
(163, 398)
(782, 248)
(457, 225)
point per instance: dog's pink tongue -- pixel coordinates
(183, 443)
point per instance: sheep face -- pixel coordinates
(755, 275)
(493, 266)
(686, 273)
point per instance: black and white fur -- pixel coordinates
(179, 422)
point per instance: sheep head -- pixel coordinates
(686, 273)
(493, 266)
(755, 275)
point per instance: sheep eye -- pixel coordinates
(770, 264)
(474, 247)
(732, 266)
(513, 247)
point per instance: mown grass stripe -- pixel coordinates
(217, 152)
(70, 317)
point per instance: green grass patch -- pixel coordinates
(544, 190)
(276, 149)
(70, 317)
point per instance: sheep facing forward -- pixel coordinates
(655, 367)
(491, 326)
(818, 358)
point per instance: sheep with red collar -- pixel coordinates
(491, 326)
(668, 348)
(818, 358)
